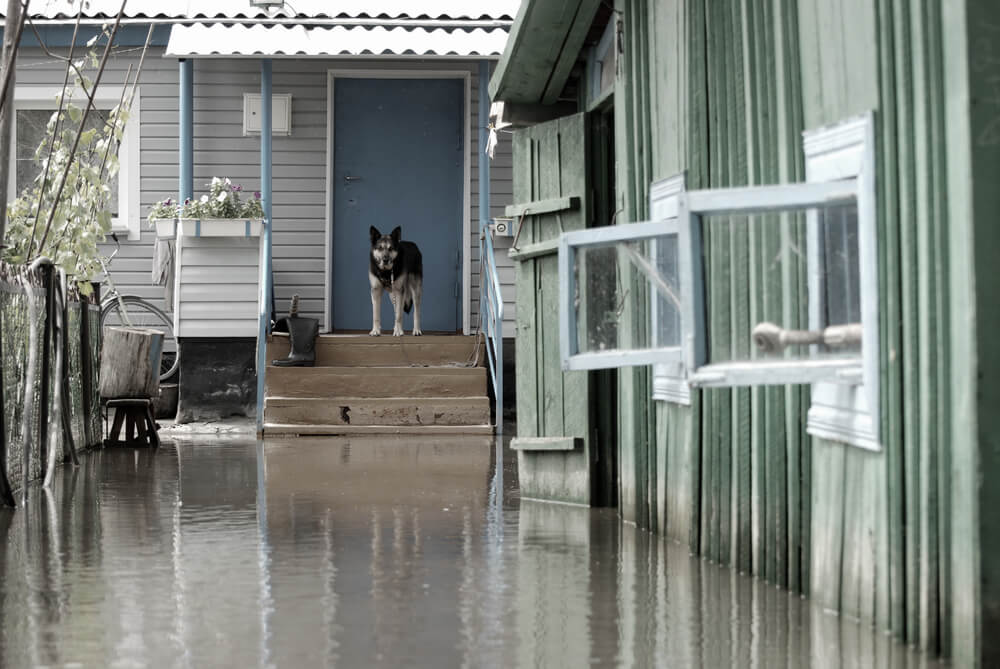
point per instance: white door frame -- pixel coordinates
(345, 73)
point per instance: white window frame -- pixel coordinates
(841, 166)
(842, 412)
(845, 402)
(693, 206)
(669, 379)
(127, 219)
(569, 243)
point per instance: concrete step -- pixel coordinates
(378, 411)
(385, 351)
(287, 430)
(410, 382)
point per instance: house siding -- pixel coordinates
(299, 161)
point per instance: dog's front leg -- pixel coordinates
(417, 293)
(397, 308)
(376, 306)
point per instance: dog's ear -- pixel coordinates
(396, 234)
(374, 233)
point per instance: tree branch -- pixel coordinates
(11, 40)
(79, 132)
(55, 131)
(9, 66)
(113, 121)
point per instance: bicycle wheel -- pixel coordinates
(141, 314)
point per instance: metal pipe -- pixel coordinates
(185, 186)
(265, 288)
(482, 161)
(266, 127)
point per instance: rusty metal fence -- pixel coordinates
(81, 424)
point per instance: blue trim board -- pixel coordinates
(61, 36)
(185, 158)
(267, 289)
(482, 160)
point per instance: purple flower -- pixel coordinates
(168, 202)
(238, 188)
(187, 200)
(256, 195)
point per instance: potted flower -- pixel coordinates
(219, 213)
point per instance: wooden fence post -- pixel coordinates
(69, 444)
(6, 494)
(43, 416)
(86, 372)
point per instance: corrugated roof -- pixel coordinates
(301, 41)
(300, 9)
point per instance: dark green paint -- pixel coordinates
(721, 90)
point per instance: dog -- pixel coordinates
(396, 266)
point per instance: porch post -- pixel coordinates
(185, 185)
(265, 163)
(482, 161)
(265, 194)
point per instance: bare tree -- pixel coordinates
(11, 39)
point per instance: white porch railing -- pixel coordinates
(491, 318)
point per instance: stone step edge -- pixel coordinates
(349, 369)
(351, 398)
(291, 429)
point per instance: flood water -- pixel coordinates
(364, 553)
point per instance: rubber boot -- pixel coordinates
(302, 345)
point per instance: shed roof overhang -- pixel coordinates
(543, 46)
(223, 40)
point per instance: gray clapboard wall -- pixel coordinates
(501, 194)
(217, 290)
(299, 160)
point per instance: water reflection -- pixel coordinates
(372, 553)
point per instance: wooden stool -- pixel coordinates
(137, 416)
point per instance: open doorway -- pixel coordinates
(604, 382)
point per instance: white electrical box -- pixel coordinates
(281, 113)
(503, 227)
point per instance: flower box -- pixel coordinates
(171, 228)
(166, 228)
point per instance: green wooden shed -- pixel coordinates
(863, 479)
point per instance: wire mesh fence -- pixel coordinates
(81, 348)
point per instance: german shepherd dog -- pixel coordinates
(395, 266)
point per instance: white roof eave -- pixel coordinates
(303, 9)
(298, 41)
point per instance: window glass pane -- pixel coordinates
(763, 312)
(31, 132)
(840, 255)
(613, 280)
(667, 313)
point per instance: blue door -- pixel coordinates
(398, 160)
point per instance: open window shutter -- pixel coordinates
(551, 197)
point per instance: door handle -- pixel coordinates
(351, 178)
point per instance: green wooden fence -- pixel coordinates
(723, 89)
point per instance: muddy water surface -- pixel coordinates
(362, 553)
